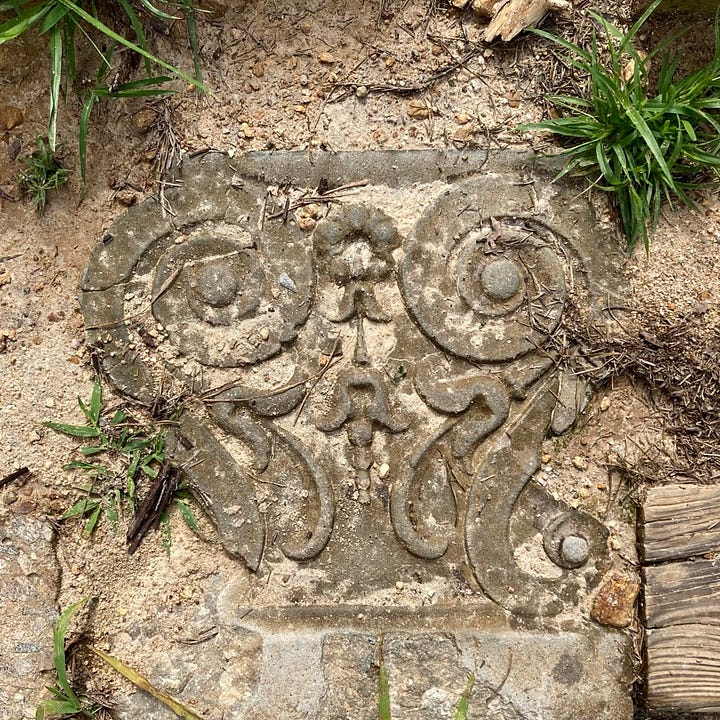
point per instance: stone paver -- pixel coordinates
(29, 583)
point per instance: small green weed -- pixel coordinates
(65, 702)
(43, 172)
(143, 87)
(68, 25)
(643, 148)
(119, 453)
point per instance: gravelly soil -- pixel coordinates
(285, 75)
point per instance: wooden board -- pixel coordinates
(680, 521)
(684, 668)
(682, 593)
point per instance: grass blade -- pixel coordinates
(137, 29)
(95, 403)
(571, 47)
(109, 32)
(69, 29)
(80, 508)
(81, 431)
(462, 708)
(92, 412)
(633, 31)
(18, 25)
(59, 633)
(56, 48)
(156, 11)
(56, 14)
(139, 681)
(384, 699)
(191, 24)
(92, 521)
(188, 515)
(83, 133)
(639, 122)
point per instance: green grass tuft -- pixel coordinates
(43, 172)
(644, 147)
(66, 702)
(119, 454)
(67, 24)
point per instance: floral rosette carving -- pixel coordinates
(355, 247)
(222, 301)
(486, 294)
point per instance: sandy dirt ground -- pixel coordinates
(323, 75)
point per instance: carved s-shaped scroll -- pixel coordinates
(570, 537)
(486, 404)
(262, 438)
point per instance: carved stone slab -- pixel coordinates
(370, 394)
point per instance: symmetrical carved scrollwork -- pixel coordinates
(464, 302)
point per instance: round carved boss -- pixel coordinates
(489, 295)
(230, 299)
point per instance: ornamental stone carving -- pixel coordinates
(372, 394)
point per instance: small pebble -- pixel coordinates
(383, 471)
(605, 403)
(10, 117)
(286, 281)
(306, 223)
(362, 91)
(579, 462)
(144, 119)
(326, 58)
(418, 110)
(614, 604)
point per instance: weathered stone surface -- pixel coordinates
(350, 671)
(29, 580)
(573, 396)
(371, 394)
(212, 677)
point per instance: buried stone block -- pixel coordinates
(370, 398)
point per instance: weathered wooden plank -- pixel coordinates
(683, 670)
(680, 521)
(682, 593)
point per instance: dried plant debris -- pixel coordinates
(678, 364)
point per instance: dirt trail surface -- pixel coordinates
(312, 77)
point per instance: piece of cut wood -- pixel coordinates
(682, 593)
(683, 670)
(485, 7)
(680, 521)
(513, 16)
